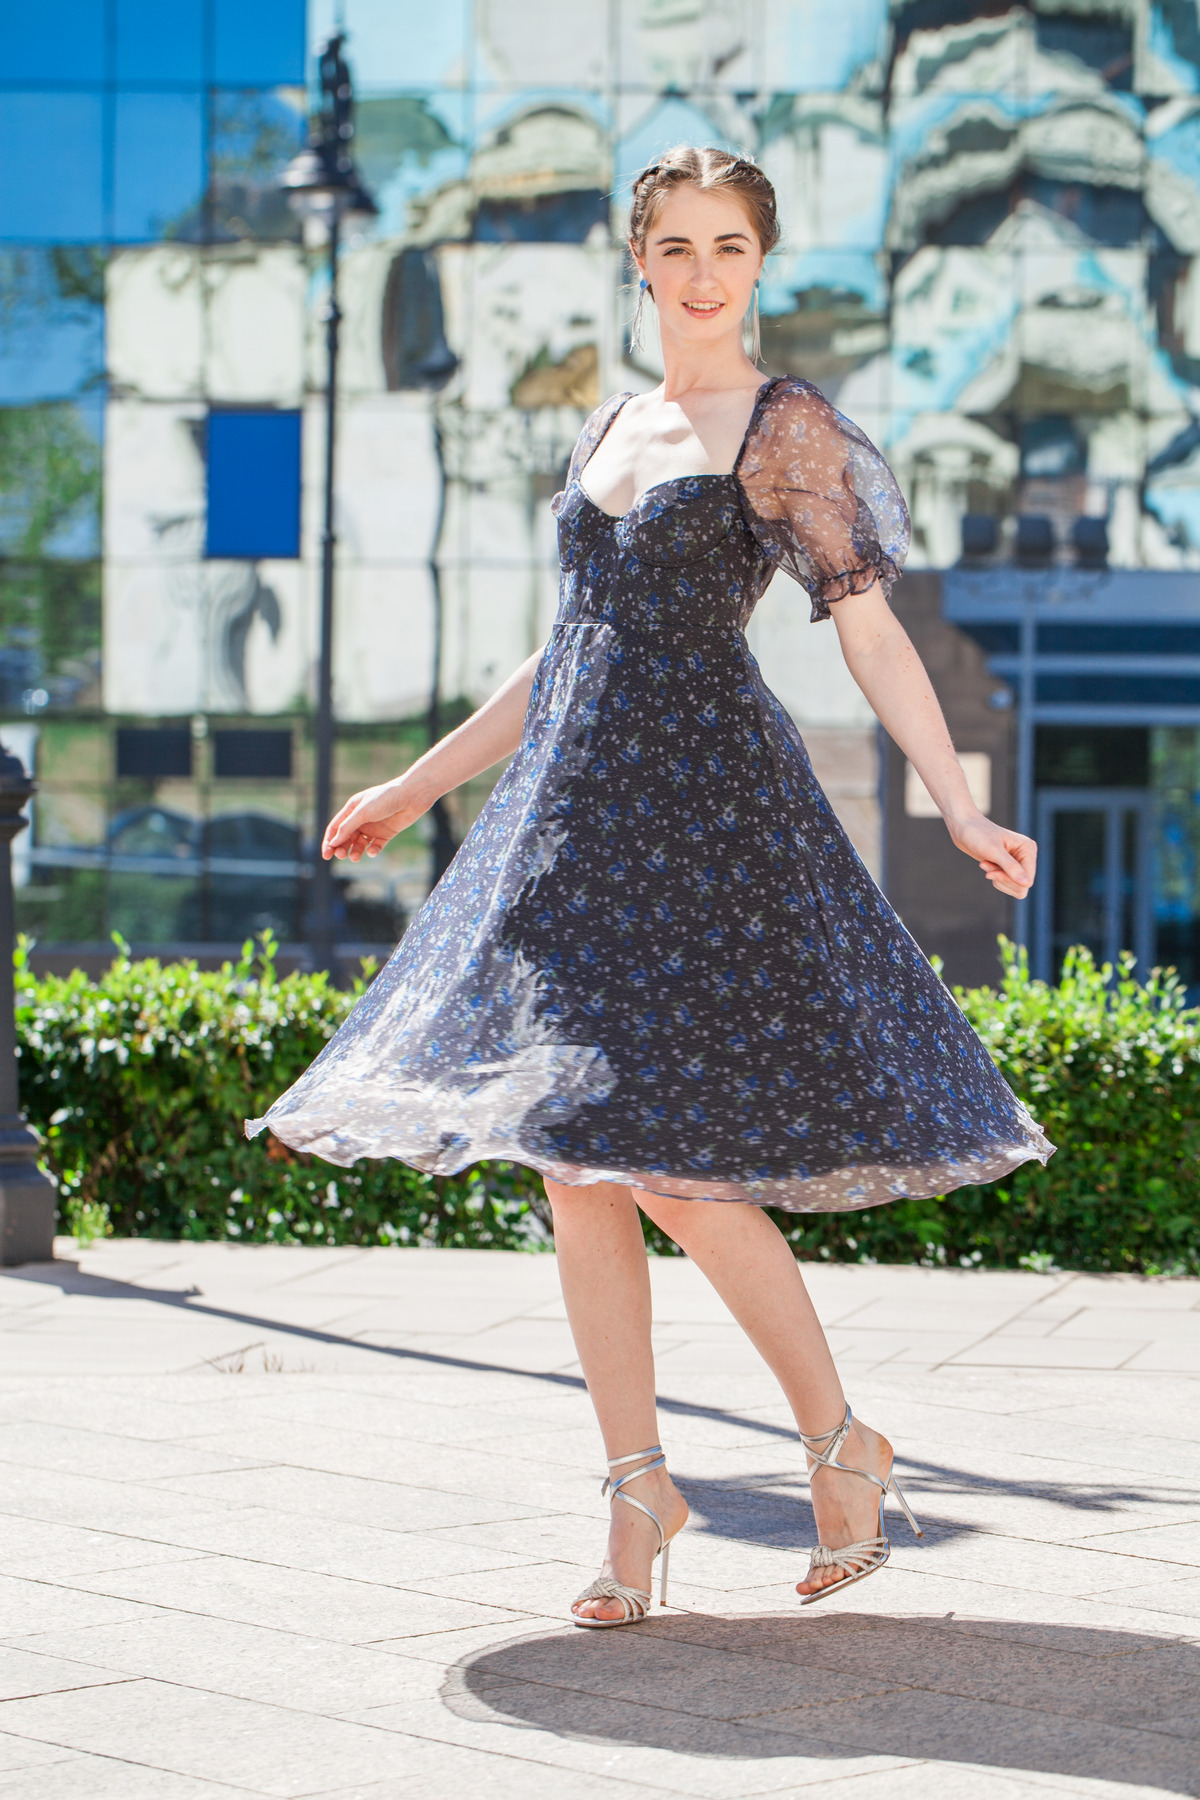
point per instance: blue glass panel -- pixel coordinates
(160, 43)
(393, 45)
(51, 167)
(158, 180)
(258, 43)
(254, 137)
(54, 40)
(51, 322)
(253, 484)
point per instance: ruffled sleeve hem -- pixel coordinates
(820, 498)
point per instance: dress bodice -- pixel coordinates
(808, 493)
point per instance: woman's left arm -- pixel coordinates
(882, 660)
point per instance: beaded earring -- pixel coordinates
(635, 335)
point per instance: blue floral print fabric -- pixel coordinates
(657, 958)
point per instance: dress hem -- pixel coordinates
(850, 1189)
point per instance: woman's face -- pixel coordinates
(701, 260)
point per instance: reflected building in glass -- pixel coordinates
(991, 261)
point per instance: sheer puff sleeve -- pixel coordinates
(821, 501)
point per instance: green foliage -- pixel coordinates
(140, 1082)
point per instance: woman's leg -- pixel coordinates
(747, 1260)
(606, 1286)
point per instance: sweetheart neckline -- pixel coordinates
(671, 481)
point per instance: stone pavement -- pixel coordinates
(303, 1522)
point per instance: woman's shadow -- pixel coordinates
(1065, 1700)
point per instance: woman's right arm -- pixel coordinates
(367, 821)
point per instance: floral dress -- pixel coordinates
(657, 959)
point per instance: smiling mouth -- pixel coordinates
(703, 309)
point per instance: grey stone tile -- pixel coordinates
(37, 1550)
(278, 1668)
(955, 1729)
(272, 1750)
(1156, 1543)
(107, 1455)
(34, 1606)
(598, 1735)
(83, 1500)
(107, 1778)
(322, 1606)
(359, 1498)
(23, 1672)
(357, 1552)
(23, 1753)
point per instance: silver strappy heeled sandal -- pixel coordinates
(635, 1602)
(862, 1559)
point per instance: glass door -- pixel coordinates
(1094, 883)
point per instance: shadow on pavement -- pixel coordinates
(1112, 1706)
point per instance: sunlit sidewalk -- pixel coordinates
(307, 1522)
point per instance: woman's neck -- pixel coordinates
(691, 368)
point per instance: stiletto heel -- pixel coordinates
(894, 1485)
(864, 1558)
(635, 1602)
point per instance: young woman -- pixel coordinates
(657, 971)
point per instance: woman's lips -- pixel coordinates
(704, 309)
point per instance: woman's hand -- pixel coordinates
(369, 819)
(1007, 858)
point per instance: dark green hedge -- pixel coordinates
(140, 1082)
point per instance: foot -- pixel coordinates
(845, 1507)
(633, 1539)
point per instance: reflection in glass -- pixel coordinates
(158, 155)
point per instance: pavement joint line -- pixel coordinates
(1060, 1286)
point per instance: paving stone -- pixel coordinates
(273, 1750)
(351, 1577)
(321, 1606)
(109, 1778)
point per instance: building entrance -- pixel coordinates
(1095, 880)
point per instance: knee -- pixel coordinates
(599, 1196)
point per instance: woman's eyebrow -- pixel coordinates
(722, 238)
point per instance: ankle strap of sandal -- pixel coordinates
(615, 1484)
(839, 1433)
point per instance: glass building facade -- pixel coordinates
(991, 260)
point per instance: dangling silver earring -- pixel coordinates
(635, 335)
(755, 349)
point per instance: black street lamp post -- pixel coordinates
(28, 1199)
(323, 185)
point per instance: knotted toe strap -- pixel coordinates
(855, 1557)
(635, 1602)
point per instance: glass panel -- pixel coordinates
(260, 43)
(1092, 756)
(1080, 885)
(253, 484)
(1168, 51)
(160, 43)
(809, 44)
(51, 167)
(397, 47)
(49, 480)
(1127, 823)
(412, 149)
(254, 137)
(51, 322)
(159, 176)
(1175, 764)
(54, 40)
